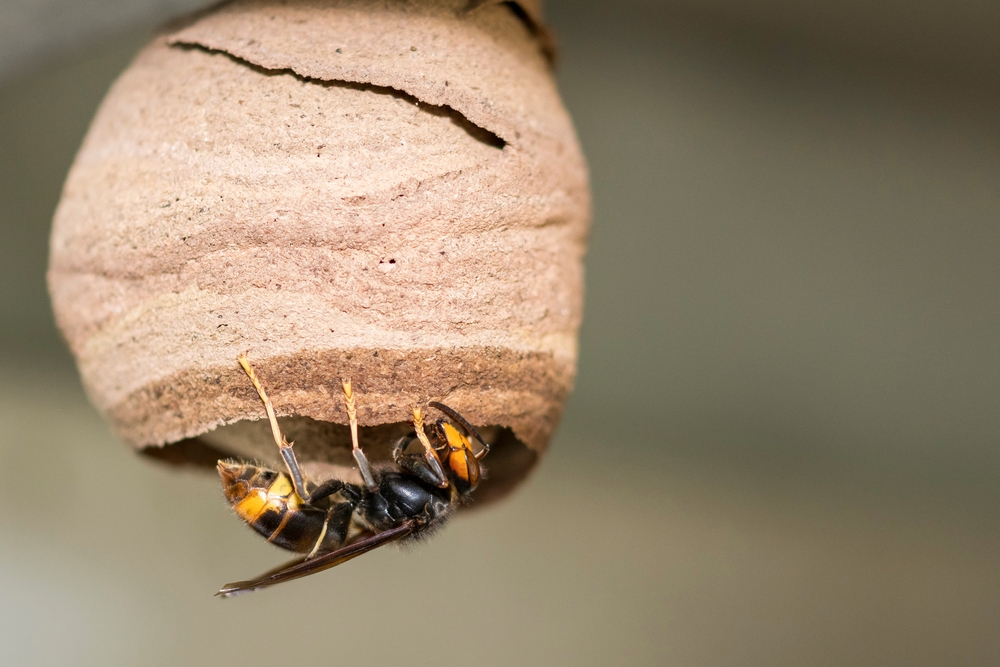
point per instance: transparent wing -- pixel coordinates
(302, 567)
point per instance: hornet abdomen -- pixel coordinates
(267, 501)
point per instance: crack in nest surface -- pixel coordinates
(477, 132)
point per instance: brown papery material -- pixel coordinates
(390, 192)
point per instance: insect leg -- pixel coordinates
(335, 529)
(325, 490)
(418, 426)
(359, 456)
(430, 454)
(319, 540)
(425, 466)
(285, 447)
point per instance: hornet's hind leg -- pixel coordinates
(298, 479)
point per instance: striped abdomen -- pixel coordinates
(267, 501)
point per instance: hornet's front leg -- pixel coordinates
(425, 466)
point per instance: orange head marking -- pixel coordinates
(461, 461)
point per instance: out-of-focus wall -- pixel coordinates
(34, 32)
(794, 251)
(947, 36)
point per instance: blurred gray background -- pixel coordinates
(784, 446)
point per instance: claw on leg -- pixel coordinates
(359, 456)
(432, 461)
(285, 447)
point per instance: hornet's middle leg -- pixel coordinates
(359, 456)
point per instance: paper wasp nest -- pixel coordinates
(386, 191)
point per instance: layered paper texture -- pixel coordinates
(390, 192)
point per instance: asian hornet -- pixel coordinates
(334, 521)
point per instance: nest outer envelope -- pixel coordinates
(391, 192)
